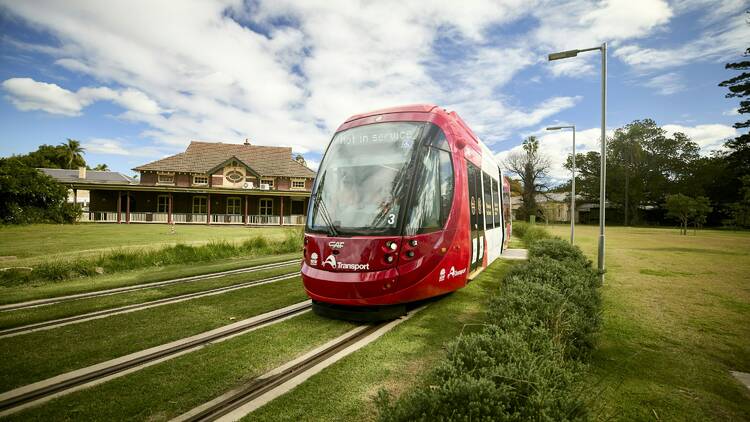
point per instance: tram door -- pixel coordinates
(476, 209)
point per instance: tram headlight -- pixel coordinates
(410, 254)
(413, 243)
(389, 258)
(392, 245)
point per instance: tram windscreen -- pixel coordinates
(362, 183)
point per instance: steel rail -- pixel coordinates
(23, 397)
(127, 289)
(60, 322)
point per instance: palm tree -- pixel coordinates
(73, 153)
(101, 167)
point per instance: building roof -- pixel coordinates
(92, 176)
(201, 157)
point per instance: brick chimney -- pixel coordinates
(81, 172)
(247, 141)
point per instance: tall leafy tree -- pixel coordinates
(531, 167)
(101, 167)
(73, 154)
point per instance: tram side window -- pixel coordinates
(433, 193)
(489, 221)
(495, 215)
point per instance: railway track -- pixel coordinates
(39, 392)
(237, 403)
(60, 322)
(126, 289)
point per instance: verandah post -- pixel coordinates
(127, 208)
(119, 207)
(281, 212)
(169, 209)
(246, 200)
(208, 209)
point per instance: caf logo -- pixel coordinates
(442, 275)
(314, 259)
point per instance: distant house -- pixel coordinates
(554, 207)
(209, 183)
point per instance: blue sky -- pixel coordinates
(136, 81)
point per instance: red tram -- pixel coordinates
(407, 204)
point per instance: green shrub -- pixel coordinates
(519, 228)
(527, 362)
(494, 376)
(558, 249)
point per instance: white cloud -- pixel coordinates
(200, 71)
(709, 137)
(731, 112)
(666, 84)
(579, 24)
(729, 39)
(27, 94)
(119, 147)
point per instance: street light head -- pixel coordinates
(554, 128)
(562, 55)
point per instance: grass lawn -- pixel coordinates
(33, 243)
(396, 362)
(39, 355)
(676, 321)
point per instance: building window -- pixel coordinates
(268, 181)
(234, 176)
(200, 180)
(162, 203)
(266, 206)
(298, 206)
(199, 205)
(167, 179)
(234, 205)
(298, 184)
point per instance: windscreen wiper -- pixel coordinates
(323, 211)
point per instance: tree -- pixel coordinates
(73, 154)
(739, 147)
(687, 209)
(30, 196)
(531, 168)
(741, 209)
(680, 206)
(101, 167)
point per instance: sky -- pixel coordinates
(136, 81)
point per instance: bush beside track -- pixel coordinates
(527, 363)
(123, 260)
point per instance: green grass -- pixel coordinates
(39, 355)
(166, 390)
(396, 362)
(46, 289)
(81, 306)
(676, 321)
(41, 242)
(119, 260)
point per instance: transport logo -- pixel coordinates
(455, 273)
(442, 275)
(314, 259)
(331, 260)
(336, 245)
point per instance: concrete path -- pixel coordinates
(742, 377)
(515, 254)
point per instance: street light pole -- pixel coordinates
(572, 183)
(603, 153)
